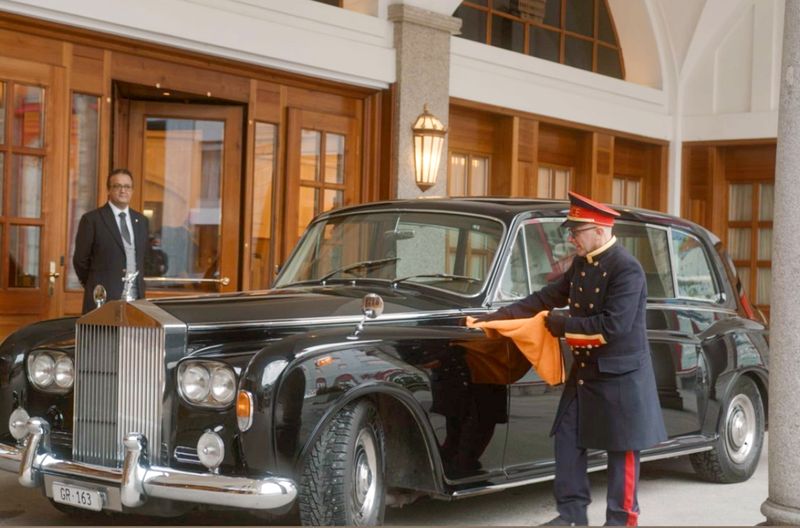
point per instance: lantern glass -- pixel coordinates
(428, 143)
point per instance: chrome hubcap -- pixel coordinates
(740, 428)
(364, 472)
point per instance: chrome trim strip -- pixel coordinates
(341, 319)
(137, 482)
(485, 490)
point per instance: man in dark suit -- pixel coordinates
(610, 400)
(111, 242)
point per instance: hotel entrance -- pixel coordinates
(187, 165)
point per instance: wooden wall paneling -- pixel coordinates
(471, 131)
(372, 139)
(559, 146)
(32, 48)
(750, 162)
(170, 75)
(717, 216)
(528, 158)
(86, 74)
(388, 166)
(268, 98)
(55, 189)
(504, 179)
(660, 170)
(291, 190)
(318, 101)
(281, 177)
(602, 158)
(247, 185)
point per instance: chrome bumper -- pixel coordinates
(136, 481)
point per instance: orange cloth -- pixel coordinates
(533, 340)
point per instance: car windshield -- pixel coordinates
(452, 252)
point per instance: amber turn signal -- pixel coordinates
(244, 410)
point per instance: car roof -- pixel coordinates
(507, 209)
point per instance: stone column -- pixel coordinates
(422, 46)
(782, 507)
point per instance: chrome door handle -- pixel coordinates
(222, 280)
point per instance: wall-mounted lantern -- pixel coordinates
(429, 135)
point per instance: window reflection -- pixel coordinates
(25, 187)
(266, 145)
(541, 29)
(83, 168)
(2, 114)
(28, 111)
(183, 160)
(23, 256)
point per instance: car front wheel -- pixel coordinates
(741, 436)
(343, 476)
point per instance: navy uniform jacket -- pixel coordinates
(612, 372)
(99, 256)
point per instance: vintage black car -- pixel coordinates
(292, 400)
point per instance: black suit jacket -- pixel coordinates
(99, 256)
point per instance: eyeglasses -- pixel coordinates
(574, 232)
(120, 187)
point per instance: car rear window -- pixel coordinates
(542, 253)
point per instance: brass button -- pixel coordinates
(583, 364)
(588, 346)
(596, 263)
(580, 382)
(580, 289)
(577, 305)
(597, 290)
(591, 305)
(604, 274)
(583, 274)
(588, 353)
(577, 353)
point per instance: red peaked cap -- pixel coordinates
(583, 210)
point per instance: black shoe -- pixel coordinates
(558, 521)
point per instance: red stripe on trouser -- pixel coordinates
(630, 489)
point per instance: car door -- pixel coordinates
(540, 254)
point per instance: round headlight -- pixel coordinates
(42, 371)
(18, 423)
(64, 372)
(210, 450)
(195, 383)
(223, 385)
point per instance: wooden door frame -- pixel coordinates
(233, 116)
(299, 119)
(19, 305)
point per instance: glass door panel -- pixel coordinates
(184, 162)
(262, 258)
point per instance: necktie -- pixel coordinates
(123, 228)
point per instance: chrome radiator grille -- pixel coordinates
(119, 383)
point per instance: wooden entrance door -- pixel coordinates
(323, 167)
(186, 161)
(31, 180)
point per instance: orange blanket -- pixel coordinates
(533, 340)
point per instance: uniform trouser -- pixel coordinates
(571, 486)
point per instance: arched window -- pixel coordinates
(577, 33)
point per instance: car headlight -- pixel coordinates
(51, 371)
(207, 383)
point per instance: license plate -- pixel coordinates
(78, 497)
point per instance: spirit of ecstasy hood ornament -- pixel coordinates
(127, 286)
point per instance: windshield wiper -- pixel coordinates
(445, 276)
(364, 264)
